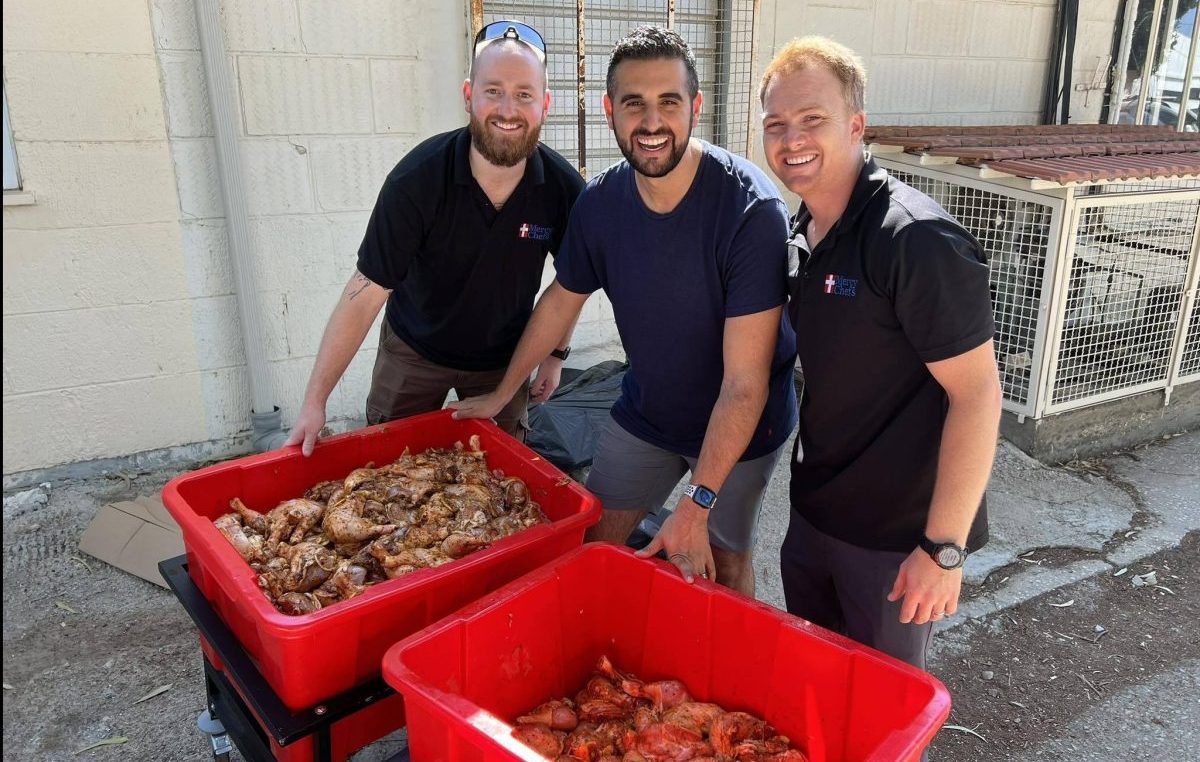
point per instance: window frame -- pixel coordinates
(12, 171)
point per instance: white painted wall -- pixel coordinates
(120, 325)
(120, 321)
(100, 356)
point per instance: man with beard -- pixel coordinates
(455, 247)
(901, 402)
(689, 244)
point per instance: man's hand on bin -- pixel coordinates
(484, 406)
(684, 538)
(307, 428)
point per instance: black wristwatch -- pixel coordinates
(561, 354)
(945, 554)
(701, 495)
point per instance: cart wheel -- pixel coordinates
(217, 737)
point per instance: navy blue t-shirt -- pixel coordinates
(673, 279)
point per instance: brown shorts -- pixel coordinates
(404, 383)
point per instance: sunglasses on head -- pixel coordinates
(510, 30)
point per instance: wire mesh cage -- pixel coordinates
(719, 32)
(1093, 287)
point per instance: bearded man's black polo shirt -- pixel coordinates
(464, 275)
(897, 283)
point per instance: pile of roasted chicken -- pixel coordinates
(377, 524)
(618, 718)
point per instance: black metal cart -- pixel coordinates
(231, 720)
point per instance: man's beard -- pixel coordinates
(666, 164)
(504, 151)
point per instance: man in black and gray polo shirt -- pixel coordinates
(899, 419)
(455, 247)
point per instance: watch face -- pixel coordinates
(949, 557)
(704, 497)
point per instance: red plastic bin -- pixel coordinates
(307, 659)
(540, 636)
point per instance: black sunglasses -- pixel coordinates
(510, 30)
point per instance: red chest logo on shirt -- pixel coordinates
(840, 285)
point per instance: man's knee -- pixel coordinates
(614, 526)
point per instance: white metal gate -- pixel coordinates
(1094, 287)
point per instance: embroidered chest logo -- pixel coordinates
(534, 232)
(840, 285)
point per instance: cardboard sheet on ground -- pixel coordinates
(134, 535)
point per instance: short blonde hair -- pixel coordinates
(803, 52)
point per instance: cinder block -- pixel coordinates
(54, 270)
(403, 98)
(114, 26)
(276, 177)
(349, 399)
(393, 29)
(207, 258)
(347, 231)
(263, 25)
(839, 4)
(185, 86)
(174, 23)
(349, 173)
(939, 27)
(273, 306)
(964, 85)
(924, 118)
(227, 402)
(96, 96)
(999, 30)
(198, 178)
(56, 350)
(218, 332)
(295, 252)
(901, 85)
(852, 28)
(285, 95)
(594, 334)
(1098, 10)
(305, 314)
(86, 184)
(101, 421)
(288, 380)
(1019, 85)
(1041, 32)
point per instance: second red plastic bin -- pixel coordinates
(539, 637)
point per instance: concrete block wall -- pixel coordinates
(100, 356)
(931, 61)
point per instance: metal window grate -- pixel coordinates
(720, 33)
(1189, 364)
(1015, 234)
(1124, 296)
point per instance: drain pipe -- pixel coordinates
(267, 431)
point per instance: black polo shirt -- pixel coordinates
(897, 283)
(463, 275)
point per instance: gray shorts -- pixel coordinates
(630, 474)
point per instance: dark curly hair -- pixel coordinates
(647, 43)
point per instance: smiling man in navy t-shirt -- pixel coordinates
(689, 244)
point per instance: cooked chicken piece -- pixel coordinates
(693, 715)
(540, 738)
(728, 731)
(643, 716)
(599, 710)
(662, 741)
(599, 688)
(321, 491)
(516, 494)
(458, 545)
(249, 545)
(298, 603)
(252, 518)
(436, 511)
(344, 522)
(557, 715)
(359, 476)
(298, 515)
(425, 535)
(664, 693)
